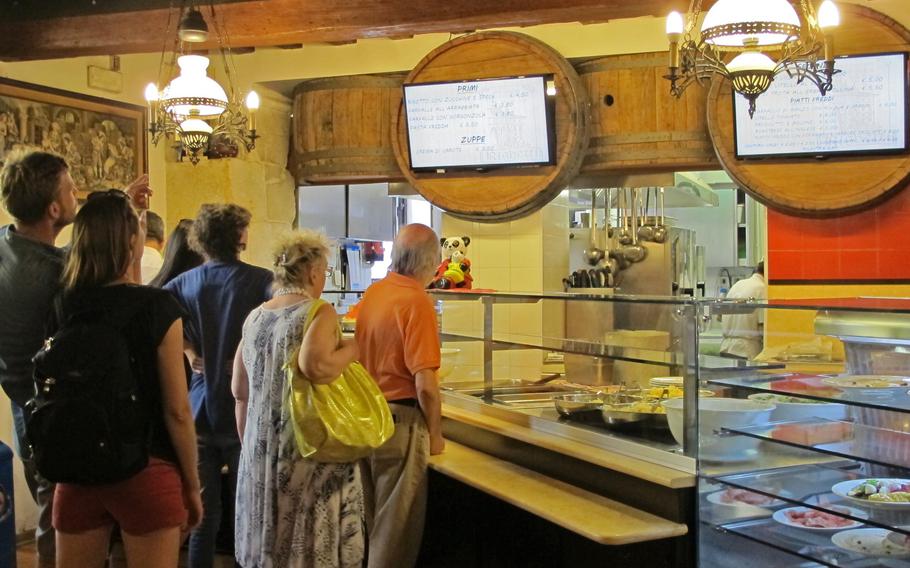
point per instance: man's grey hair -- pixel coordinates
(416, 258)
(154, 226)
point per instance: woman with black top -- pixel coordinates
(153, 507)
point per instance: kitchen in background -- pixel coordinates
(361, 221)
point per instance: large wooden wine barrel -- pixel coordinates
(506, 192)
(342, 129)
(810, 187)
(636, 125)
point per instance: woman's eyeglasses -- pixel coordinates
(329, 271)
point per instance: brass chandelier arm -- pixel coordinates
(696, 57)
(801, 72)
(235, 127)
(698, 63)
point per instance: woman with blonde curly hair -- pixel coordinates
(292, 511)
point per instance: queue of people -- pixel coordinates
(213, 342)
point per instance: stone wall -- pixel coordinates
(257, 180)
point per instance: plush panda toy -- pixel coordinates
(455, 269)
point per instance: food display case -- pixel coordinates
(809, 465)
(798, 457)
(632, 385)
(515, 360)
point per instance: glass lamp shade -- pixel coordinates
(731, 23)
(195, 133)
(751, 73)
(193, 92)
(751, 61)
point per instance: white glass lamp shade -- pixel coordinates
(751, 61)
(195, 125)
(674, 23)
(731, 23)
(195, 134)
(193, 92)
(751, 73)
(828, 15)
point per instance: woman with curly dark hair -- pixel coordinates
(216, 298)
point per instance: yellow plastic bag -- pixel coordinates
(341, 421)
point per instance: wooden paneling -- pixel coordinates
(636, 125)
(505, 193)
(818, 188)
(342, 129)
(283, 22)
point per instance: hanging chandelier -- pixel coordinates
(193, 109)
(750, 42)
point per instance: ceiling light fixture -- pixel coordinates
(759, 39)
(193, 108)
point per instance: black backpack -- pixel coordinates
(87, 424)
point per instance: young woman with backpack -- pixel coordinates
(156, 505)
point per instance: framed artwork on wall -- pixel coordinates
(103, 141)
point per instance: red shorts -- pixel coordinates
(149, 501)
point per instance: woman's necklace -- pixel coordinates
(290, 290)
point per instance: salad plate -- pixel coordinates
(881, 493)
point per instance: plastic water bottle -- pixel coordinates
(7, 509)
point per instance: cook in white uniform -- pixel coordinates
(743, 334)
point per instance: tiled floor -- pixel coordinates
(25, 557)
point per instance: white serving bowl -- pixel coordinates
(717, 413)
(447, 361)
(788, 409)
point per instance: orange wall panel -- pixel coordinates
(872, 245)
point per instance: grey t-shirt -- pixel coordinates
(29, 279)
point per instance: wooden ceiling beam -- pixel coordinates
(260, 23)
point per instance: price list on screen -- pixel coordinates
(478, 123)
(865, 111)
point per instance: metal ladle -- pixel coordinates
(646, 231)
(593, 254)
(625, 234)
(610, 260)
(634, 252)
(660, 230)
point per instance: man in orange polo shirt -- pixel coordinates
(399, 344)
